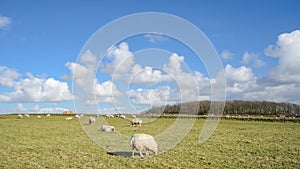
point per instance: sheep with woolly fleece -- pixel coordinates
(92, 120)
(122, 116)
(133, 116)
(77, 116)
(142, 142)
(109, 116)
(38, 116)
(27, 115)
(48, 115)
(136, 121)
(20, 116)
(107, 128)
(69, 118)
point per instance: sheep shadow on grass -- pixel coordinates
(120, 153)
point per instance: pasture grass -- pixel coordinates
(54, 142)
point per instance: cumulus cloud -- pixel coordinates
(86, 85)
(4, 22)
(122, 61)
(33, 89)
(159, 96)
(8, 76)
(287, 50)
(252, 58)
(148, 76)
(226, 54)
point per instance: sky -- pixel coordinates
(54, 57)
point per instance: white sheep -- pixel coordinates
(109, 116)
(48, 115)
(38, 116)
(77, 116)
(92, 120)
(107, 128)
(133, 116)
(122, 116)
(142, 142)
(69, 118)
(136, 121)
(20, 116)
(27, 115)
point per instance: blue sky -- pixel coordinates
(40, 41)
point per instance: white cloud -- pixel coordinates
(239, 80)
(154, 97)
(33, 89)
(252, 58)
(148, 76)
(155, 37)
(287, 50)
(4, 22)
(122, 61)
(8, 76)
(226, 54)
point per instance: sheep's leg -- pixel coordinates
(132, 153)
(141, 154)
(147, 153)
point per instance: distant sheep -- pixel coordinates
(69, 118)
(122, 116)
(92, 120)
(48, 115)
(136, 121)
(38, 116)
(77, 116)
(27, 115)
(142, 142)
(133, 116)
(107, 128)
(109, 116)
(20, 116)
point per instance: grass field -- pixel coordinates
(54, 142)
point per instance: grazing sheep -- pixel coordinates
(20, 116)
(48, 115)
(136, 121)
(133, 116)
(92, 120)
(122, 116)
(69, 118)
(107, 128)
(27, 115)
(81, 115)
(109, 116)
(77, 116)
(38, 116)
(142, 142)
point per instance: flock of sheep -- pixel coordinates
(139, 142)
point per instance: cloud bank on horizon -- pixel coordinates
(150, 86)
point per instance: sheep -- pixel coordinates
(107, 128)
(81, 115)
(38, 116)
(141, 142)
(48, 115)
(133, 116)
(69, 118)
(109, 116)
(92, 120)
(20, 116)
(136, 121)
(77, 116)
(122, 116)
(27, 115)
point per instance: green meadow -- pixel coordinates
(53, 142)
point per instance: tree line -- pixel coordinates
(235, 107)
